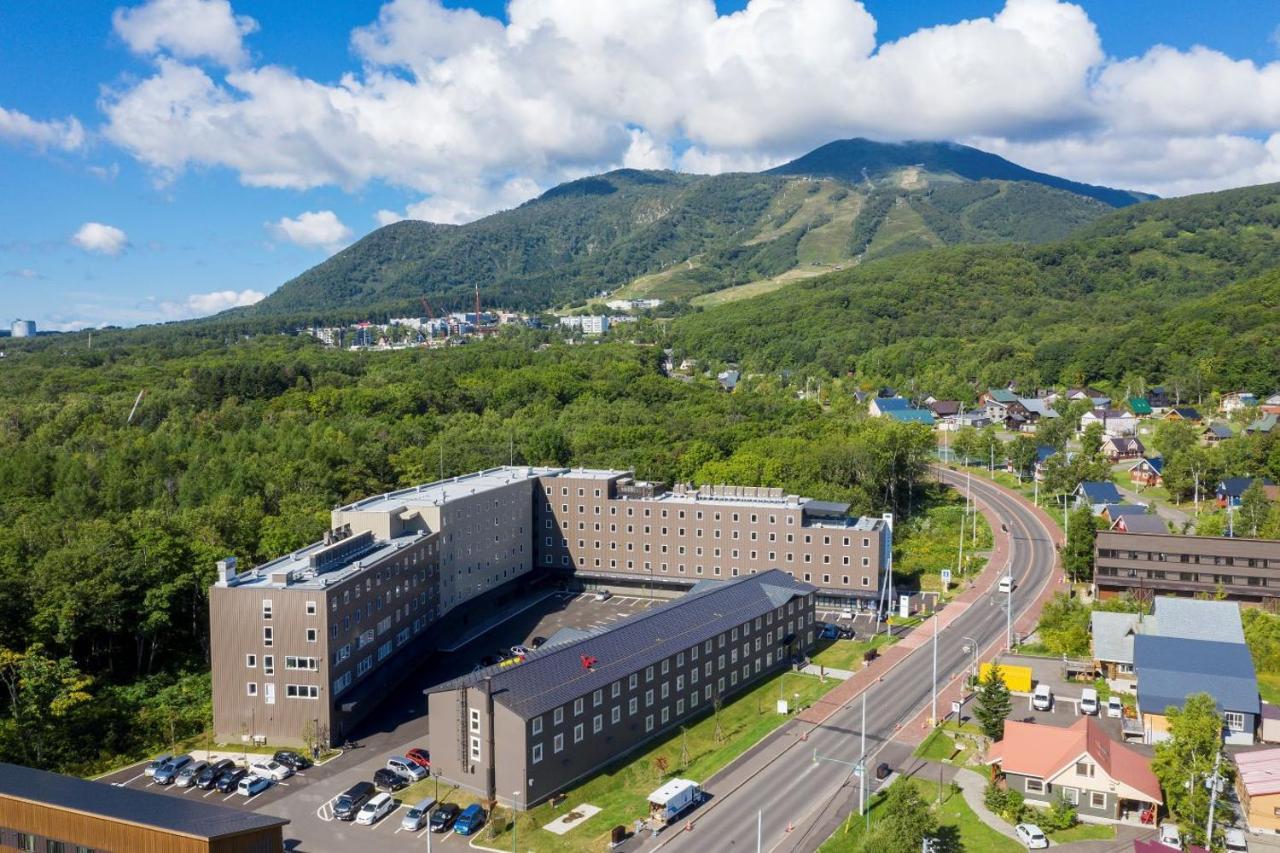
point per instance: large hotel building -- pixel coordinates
(311, 641)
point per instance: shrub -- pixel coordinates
(995, 798)
(1014, 807)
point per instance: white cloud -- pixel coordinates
(470, 112)
(105, 309)
(315, 228)
(64, 134)
(188, 29)
(103, 239)
(27, 273)
(202, 304)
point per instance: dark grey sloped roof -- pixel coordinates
(565, 635)
(825, 508)
(130, 805)
(1170, 669)
(550, 677)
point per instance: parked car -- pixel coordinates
(1006, 584)
(537, 642)
(350, 801)
(829, 632)
(209, 776)
(443, 816)
(375, 810)
(471, 819)
(252, 786)
(230, 778)
(1115, 708)
(187, 776)
(268, 769)
(420, 757)
(603, 595)
(519, 651)
(389, 780)
(171, 768)
(406, 768)
(417, 816)
(1170, 836)
(883, 770)
(1042, 699)
(846, 632)
(1089, 701)
(295, 761)
(1235, 842)
(156, 763)
(1031, 835)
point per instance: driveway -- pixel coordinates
(1179, 518)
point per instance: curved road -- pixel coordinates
(792, 789)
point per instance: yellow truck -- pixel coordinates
(1016, 678)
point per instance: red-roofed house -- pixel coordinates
(1258, 783)
(1106, 780)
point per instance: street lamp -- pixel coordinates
(972, 648)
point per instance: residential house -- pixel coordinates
(1214, 434)
(1037, 409)
(879, 407)
(1105, 780)
(945, 412)
(1095, 397)
(1140, 523)
(1114, 421)
(1043, 452)
(1139, 565)
(1140, 406)
(1117, 448)
(728, 379)
(1171, 668)
(1112, 635)
(1183, 413)
(1111, 512)
(1148, 472)
(1236, 401)
(1231, 490)
(1271, 405)
(900, 409)
(1258, 787)
(1158, 397)
(1096, 495)
(976, 419)
(1264, 425)
(999, 403)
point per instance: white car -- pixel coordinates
(268, 769)
(1235, 841)
(1089, 701)
(603, 595)
(1006, 584)
(520, 651)
(1115, 708)
(1042, 699)
(251, 786)
(1031, 835)
(1169, 836)
(375, 810)
(406, 768)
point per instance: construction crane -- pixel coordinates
(431, 317)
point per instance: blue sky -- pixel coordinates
(204, 152)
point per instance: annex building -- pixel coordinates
(572, 707)
(305, 645)
(1143, 565)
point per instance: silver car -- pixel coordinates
(187, 775)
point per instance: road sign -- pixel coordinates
(858, 769)
(946, 578)
(955, 708)
(904, 606)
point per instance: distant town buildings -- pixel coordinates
(23, 329)
(633, 304)
(589, 324)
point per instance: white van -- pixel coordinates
(1042, 699)
(1006, 584)
(1089, 701)
(375, 810)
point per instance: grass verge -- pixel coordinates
(847, 654)
(1083, 832)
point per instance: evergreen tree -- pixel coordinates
(993, 704)
(1077, 554)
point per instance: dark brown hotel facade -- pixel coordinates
(1145, 564)
(311, 641)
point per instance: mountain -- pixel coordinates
(699, 238)
(856, 159)
(1183, 290)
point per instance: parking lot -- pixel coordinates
(1066, 697)
(400, 723)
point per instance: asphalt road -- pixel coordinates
(793, 790)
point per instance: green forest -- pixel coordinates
(110, 527)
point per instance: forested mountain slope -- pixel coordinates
(676, 236)
(1177, 290)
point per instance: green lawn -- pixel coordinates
(620, 791)
(1083, 832)
(938, 746)
(1269, 686)
(847, 654)
(953, 813)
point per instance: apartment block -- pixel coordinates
(307, 644)
(1146, 564)
(573, 707)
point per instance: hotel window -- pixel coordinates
(615, 715)
(1084, 768)
(311, 635)
(475, 720)
(577, 706)
(648, 723)
(537, 753)
(632, 706)
(666, 715)
(615, 690)
(266, 636)
(597, 699)
(557, 744)
(475, 749)
(558, 716)
(251, 689)
(577, 733)
(597, 723)
(536, 725)
(251, 661)
(633, 681)
(311, 608)
(648, 698)
(266, 608)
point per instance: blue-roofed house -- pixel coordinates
(1148, 472)
(899, 409)
(1231, 490)
(1171, 668)
(1113, 511)
(1097, 495)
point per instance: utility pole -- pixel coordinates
(759, 830)
(1213, 799)
(933, 719)
(862, 761)
(1008, 612)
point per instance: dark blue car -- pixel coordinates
(471, 819)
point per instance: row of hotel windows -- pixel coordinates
(1197, 559)
(290, 662)
(615, 713)
(550, 542)
(291, 691)
(613, 510)
(549, 560)
(1190, 577)
(549, 524)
